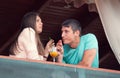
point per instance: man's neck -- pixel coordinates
(75, 43)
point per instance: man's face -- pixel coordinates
(68, 36)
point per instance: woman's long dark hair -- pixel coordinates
(28, 21)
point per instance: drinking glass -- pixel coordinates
(53, 53)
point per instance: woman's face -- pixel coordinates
(39, 24)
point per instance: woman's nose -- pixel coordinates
(41, 23)
(63, 34)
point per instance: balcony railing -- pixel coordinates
(22, 68)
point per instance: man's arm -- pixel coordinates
(88, 58)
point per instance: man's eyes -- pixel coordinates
(66, 31)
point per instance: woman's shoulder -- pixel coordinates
(28, 29)
(27, 33)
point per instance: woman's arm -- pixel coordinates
(28, 40)
(48, 47)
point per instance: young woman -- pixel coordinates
(27, 43)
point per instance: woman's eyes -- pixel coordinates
(37, 20)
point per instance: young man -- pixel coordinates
(77, 49)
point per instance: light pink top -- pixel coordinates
(27, 45)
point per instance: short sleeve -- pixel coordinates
(91, 42)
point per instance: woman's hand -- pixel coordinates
(60, 50)
(48, 47)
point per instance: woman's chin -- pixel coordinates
(39, 32)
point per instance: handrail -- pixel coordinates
(11, 67)
(61, 64)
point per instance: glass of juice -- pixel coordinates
(53, 53)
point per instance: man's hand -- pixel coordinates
(60, 50)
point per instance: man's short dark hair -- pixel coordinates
(73, 23)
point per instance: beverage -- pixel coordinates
(54, 54)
